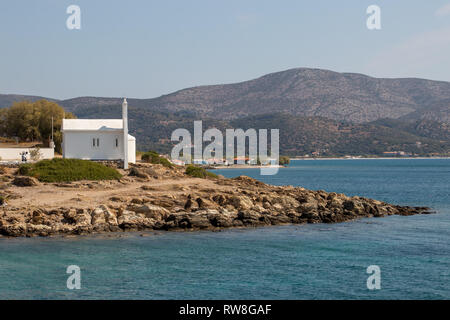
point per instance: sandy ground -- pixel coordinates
(89, 194)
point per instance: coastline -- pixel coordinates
(153, 197)
(242, 166)
(247, 166)
(378, 158)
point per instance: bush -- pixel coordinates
(155, 158)
(66, 170)
(199, 172)
(2, 170)
(24, 170)
(35, 154)
(284, 160)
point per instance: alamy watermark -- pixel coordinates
(74, 280)
(374, 280)
(213, 153)
(374, 20)
(73, 22)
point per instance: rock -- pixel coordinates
(38, 217)
(22, 181)
(111, 218)
(279, 219)
(199, 220)
(148, 188)
(136, 201)
(135, 172)
(267, 205)
(39, 229)
(103, 219)
(117, 199)
(252, 218)
(82, 218)
(98, 216)
(219, 199)
(349, 205)
(129, 220)
(205, 203)
(241, 202)
(309, 208)
(151, 211)
(286, 202)
(278, 207)
(190, 205)
(13, 230)
(220, 219)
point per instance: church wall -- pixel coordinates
(80, 145)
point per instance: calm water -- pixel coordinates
(288, 262)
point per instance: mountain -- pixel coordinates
(306, 92)
(311, 92)
(6, 100)
(298, 135)
(316, 110)
(305, 135)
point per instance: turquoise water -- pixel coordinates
(286, 262)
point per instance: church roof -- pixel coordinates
(92, 124)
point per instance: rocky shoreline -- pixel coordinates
(156, 198)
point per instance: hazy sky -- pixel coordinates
(145, 48)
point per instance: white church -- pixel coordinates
(99, 139)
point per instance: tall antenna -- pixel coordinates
(52, 128)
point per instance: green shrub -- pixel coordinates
(155, 158)
(284, 160)
(24, 169)
(199, 172)
(66, 170)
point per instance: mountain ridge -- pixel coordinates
(316, 111)
(352, 97)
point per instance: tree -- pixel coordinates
(33, 121)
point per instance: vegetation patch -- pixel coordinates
(284, 160)
(155, 158)
(67, 170)
(32, 121)
(199, 172)
(3, 199)
(24, 170)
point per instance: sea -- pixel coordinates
(411, 255)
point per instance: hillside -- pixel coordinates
(306, 92)
(305, 135)
(298, 135)
(310, 92)
(6, 100)
(316, 110)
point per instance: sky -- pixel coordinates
(146, 48)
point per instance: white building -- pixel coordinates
(99, 139)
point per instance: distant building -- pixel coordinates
(177, 162)
(99, 139)
(396, 153)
